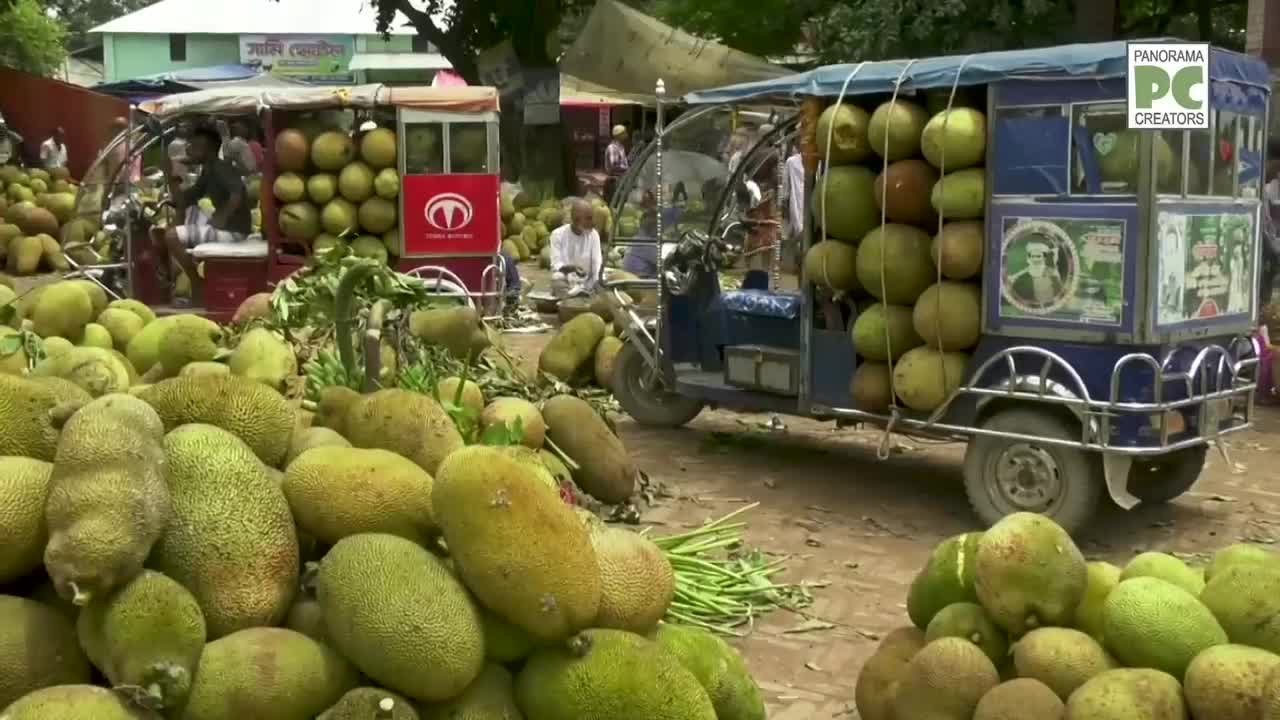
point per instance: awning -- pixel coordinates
(237, 100)
(399, 61)
(576, 92)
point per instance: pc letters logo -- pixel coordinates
(1168, 86)
(448, 211)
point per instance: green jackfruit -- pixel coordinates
(137, 308)
(204, 367)
(75, 702)
(26, 427)
(1240, 553)
(1150, 623)
(1103, 576)
(971, 622)
(569, 354)
(187, 343)
(452, 328)
(122, 325)
(1245, 599)
(339, 491)
(637, 582)
(370, 703)
(1062, 658)
(219, 488)
(97, 336)
(503, 642)
(946, 578)
(306, 617)
(610, 675)
(146, 636)
(397, 612)
(97, 370)
(945, 680)
(516, 412)
(404, 422)
(1226, 682)
(607, 472)
(1019, 699)
(24, 485)
(306, 438)
(108, 503)
(260, 417)
(62, 309)
(490, 697)
(264, 356)
(500, 522)
(471, 398)
(1167, 568)
(1028, 573)
(97, 296)
(266, 672)
(1128, 694)
(38, 648)
(878, 680)
(144, 349)
(719, 669)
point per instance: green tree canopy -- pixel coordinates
(30, 39)
(81, 16)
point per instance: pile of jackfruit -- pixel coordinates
(1015, 623)
(181, 540)
(527, 223)
(38, 222)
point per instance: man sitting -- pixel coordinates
(576, 259)
(221, 183)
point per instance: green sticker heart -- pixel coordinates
(1104, 143)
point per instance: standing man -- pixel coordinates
(230, 223)
(576, 259)
(1270, 231)
(53, 152)
(795, 205)
(10, 142)
(615, 162)
(237, 150)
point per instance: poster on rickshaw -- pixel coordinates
(1065, 270)
(1205, 265)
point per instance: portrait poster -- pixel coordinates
(1064, 270)
(1205, 266)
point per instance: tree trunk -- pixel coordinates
(1095, 20)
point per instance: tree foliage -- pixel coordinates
(81, 16)
(30, 39)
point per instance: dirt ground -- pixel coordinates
(859, 529)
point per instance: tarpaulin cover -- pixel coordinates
(223, 101)
(151, 87)
(1085, 61)
(628, 51)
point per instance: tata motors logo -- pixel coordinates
(448, 212)
(1168, 86)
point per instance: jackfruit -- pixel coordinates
(570, 353)
(38, 648)
(1028, 573)
(470, 398)
(144, 348)
(13, 353)
(187, 343)
(56, 346)
(946, 679)
(637, 582)
(337, 491)
(334, 404)
(500, 522)
(97, 296)
(74, 702)
(610, 675)
(146, 636)
(122, 325)
(307, 438)
(490, 697)
(204, 367)
(62, 309)
(24, 485)
(264, 356)
(96, 336)
(370, 703)
(137, 308)
(969, 621)
(878, 680)
(408, 423)
(1226, 682)
(451, 328)
(267, 672)
(26, 428)
(1167, 568)
(946, 578)
(1103, 576)
(1245, 600)
(220, 488)
(259, 416)
(607, 471)
(397, 612)
(97, 370)
(25, 254)
(503, 642)
(306, 616)
(1062, 658)
(1240, 553)
(107, 502)
(1151, 623)
(606, 353)
(1128, 694)
(718, 668)
(1019, 699)
(516, 412)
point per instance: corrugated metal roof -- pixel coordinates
(235, 17)
(399, 61)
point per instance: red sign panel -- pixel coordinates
(450, 215)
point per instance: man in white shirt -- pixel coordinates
(10, 142)
(576, 259)
(53, 152)
(795, 203)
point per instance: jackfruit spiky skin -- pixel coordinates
(26, 427)
(511, 410)
(38, 648)
(404, 422)
(108, 502)
(306, 617)
(75, 702)
(264, 356)
(1227, 682)
(146, 636)
(1127, 693)
(256, 414)
(144, 349)
(397, 612)
(370, 703)
(63, 309)
(187, 343)
(122, 325)
(490, 697)
(1028, 573)
(637, 582)
(499, 522)
(306, 438)
(718, 667)
(137, 308)
(331, 411)
(339, 491)
(1245, 598)
(98, 371)
(1167, 568)
(1017, 699)
(24, 486)
(232, 541)
(607, 471)
(1061, 658)
(1150, 623)
(609, 675)
(878, 680)
(503, 642)
(267, 672)
(945, 679)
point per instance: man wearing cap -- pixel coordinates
(10, 141)
(615, 161)
(1039, 285)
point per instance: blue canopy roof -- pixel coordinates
(1085, 61)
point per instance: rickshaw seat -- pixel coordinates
(763, 303)
(254, 247)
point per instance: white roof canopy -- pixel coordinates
(255, 17)
(399, 61)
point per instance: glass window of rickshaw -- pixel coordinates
(423, 148)
(1250, 129)
(1225, 140)
(468, 147)
(1105, 152)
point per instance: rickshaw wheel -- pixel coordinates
(1159, 479)
(640, 392)
(1005, 475)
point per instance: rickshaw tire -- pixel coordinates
(651, 408)
(1080, 472)
(1171, 474)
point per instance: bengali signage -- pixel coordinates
(1068, 270)
(303, 57)
(1206, 267)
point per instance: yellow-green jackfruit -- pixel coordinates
(607, 471)
(718, 667)
(24, 485)
(404, 422)
(75, 702)
(38, 648)
(256, 414)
